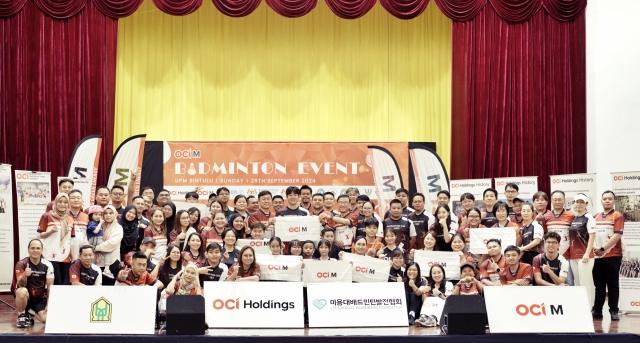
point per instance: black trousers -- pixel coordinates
(414, 303)
(606, 273)
(60, 273)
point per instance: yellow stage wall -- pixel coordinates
(206, 76)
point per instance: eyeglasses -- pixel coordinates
(511, 191)
(552, 243)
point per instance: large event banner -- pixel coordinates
(572, 184)
(260, 246)
(367, 269)
(84, 186)
(84, 164)
(34, 193)
(626, 186)
(474, 186)
(254, 305)
(480, 237)
(301, 228)
(250, 167)
(327, 272)
(431, 176)
(527, 185)
(101, 310)
(127, 159)
(449, 260)
(538, 310)
(280, 267)
(6, 226)
(357, 305)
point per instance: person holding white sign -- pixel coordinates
(473, 216)
(490, 197)
(491, 267)
(430, 244)
(247, 269)
(531, 234)
(445, 228)
(415, 291)
(502, 214)
(516, 273)
(343, 223)
(582, 234)
(438, 289)
(549, 267)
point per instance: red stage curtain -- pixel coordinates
(516, 10)
(57, 85)
(350, 9)
(461, 10)
(565, 10)
(117, 8)
(178, 7)
(236, 8)
(10, 7)
(61, 9)
(405, 9)
(292, 8)
(518, 101)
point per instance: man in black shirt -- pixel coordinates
(83, 272)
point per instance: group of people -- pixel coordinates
(148, 242)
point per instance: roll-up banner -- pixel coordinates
(386, 176)
(626, 186)
(572, 184)
(84, 164)
(474, 186)
(84, 186)
(34, 193)
(250, 167)
(6, 226)
(302, 228)
(367, 269)
(127, 158)
(527, 185)
(430, 174)
(450, 261)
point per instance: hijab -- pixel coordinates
(129, 230)
(185, 288)
(62, 216)
(232, 218)
(170, 222)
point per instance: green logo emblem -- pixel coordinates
(101, 311)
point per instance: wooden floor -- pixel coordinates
(629, 323)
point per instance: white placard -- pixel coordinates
(33, 193)
(572, 184)
(101, 310)
(254, 304)
(538, 310)
(260, 246)
(475, 187)
(280, 267)
(345, 234)
(302, 228)
(479, 237)
(6, 226)
(84, 186)
(367, 269)
(626, 187)
(326, 272)
(357, 305)
(450, 261)
(528, 186)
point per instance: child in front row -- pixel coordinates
(257, 231)
(324, 248)
(397, 266)
(334, 249)
(308, 250)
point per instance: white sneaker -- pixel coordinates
(108, 274)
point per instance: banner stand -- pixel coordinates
(7, 239)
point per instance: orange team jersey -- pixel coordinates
(80, 224)
(37, 282)
(467, 258)
(514, 219)
(212, 236)
(486, 273)
(559, 224)
(352, 216)
(524, 272)
(467, 236)
(48, 221)
(509, 224)
(142, 280)
(579, 232)
(192, 291)
(469, 290)
(153, 233)
(260, 216)
(608, 225)
(242, 273)
(376, 246)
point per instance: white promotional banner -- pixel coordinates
(34, 193)
(537, 310)
(367, 269)
(626, 186)
(254, 305)
(527, 185)
(84, 186)
(327, 272)
(6, 226)
(301, 228)
(280, 267)
(474, 186)
(430, 175)
(259, 246)
(572, 184)
(101, 310)
(479, 238)
(386, 177)
(84, 165)
(127, 158)
(345, 234)
(449, 260)
(357, 305)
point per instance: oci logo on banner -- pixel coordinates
(538, 310)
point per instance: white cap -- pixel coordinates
(582, 197)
